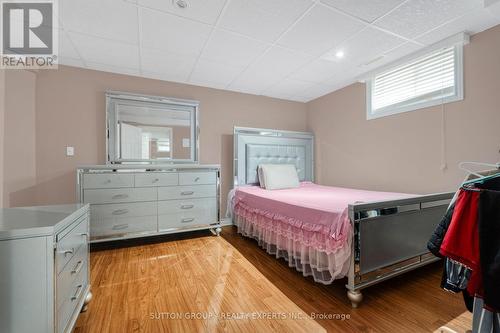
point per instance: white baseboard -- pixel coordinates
(226, 221)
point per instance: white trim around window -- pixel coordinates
(452, 91)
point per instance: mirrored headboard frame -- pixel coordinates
(285, 147)
(110, 134)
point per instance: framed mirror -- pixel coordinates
(151, 129)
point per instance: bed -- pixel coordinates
(328, 232)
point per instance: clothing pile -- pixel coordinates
(468, 237)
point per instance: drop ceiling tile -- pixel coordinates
(287, 87)
(113, 19)
(338, 86)
(199, 10)
(393, 55)
(105, 51)
(255, 81)
(171, 33)
(317, 71)
(320, 30)
(368, 10)
(169, 66)
(494, 7)
(233, 49)
(369, 44)
(262, 19)
(473, 22)
(104, 33)
(219, 73)
(275, 65)
(281, 61)
(113, 69)
(353, 72)
(66, 47)
(403, 50)
(417, 17)
(347, 76)
(315, 91)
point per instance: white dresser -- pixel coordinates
(44, 265)
(128, 201)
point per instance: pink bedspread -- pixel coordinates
(310, 208)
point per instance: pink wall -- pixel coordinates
(396, 153)
(70, 111)
(404, 152)
(19, 164)
(179, 133)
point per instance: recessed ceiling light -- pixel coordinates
(182, 4)
(333, 55)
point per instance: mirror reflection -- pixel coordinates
(148, 130)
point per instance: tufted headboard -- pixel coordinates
(253, 146)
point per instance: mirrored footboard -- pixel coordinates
(390, 238)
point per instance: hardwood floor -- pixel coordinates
(412, 302)
(139, 288)
(223, 281)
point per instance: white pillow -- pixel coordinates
(279, 176)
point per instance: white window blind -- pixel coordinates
(426, 81)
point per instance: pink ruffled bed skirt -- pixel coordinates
(314, 253)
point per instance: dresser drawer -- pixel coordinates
(186, 213)
(186, 192)
(107, 180)
(197, 178)
(70, 243)
(106, 196)
(123, 227)
(71, 271)
(124, 210)
(117, 219)
(156, 179)
(69, 299)
(186, 206)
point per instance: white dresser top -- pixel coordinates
(36, 221)
(148, 166)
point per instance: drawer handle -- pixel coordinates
(187, 220)
(77, 268)
(187, 193)
(187, 206)
(197, 179)
(120, 226)
(79, 290)
(156, 180)
(120, 211)
(66, 252)
(120, 196)
(85, 235)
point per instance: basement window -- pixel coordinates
(432, 79)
